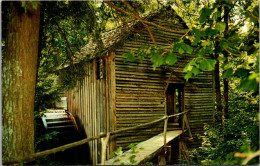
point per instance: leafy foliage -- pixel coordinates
(133, 150)
(239, 133)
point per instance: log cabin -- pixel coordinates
(116, 94)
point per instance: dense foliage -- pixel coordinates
(239, 133)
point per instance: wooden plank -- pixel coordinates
(113, 100)
(108, 99)
(149, 147)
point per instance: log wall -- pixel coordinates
(140, 89)
(89, 102)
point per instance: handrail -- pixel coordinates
(86, 140)
(170, 116)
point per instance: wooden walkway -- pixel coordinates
(149, 147)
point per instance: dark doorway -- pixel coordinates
(175, 101)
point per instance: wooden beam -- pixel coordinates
(165, 131)
(104, 142)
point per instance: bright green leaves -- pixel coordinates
(182, 47)
(129, 56)
(197, 36)
(155, 54)
(157, 59)
(207, 64)
(205, 13)
(170, 59)
(196, 65)
(188, 49)
(143, 51)
(132, 159)
(220, 26)
(228, 73)
(250, 83)
(180, 50)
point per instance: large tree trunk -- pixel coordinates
(18, 81)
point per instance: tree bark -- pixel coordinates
(19, 81)
(217, 80)
(225, 81)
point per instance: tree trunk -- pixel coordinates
(217, 80)
(19, 80)
(225, 81)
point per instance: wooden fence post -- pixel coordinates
(187, 124)
(165, 131)
(104, 142)
(161, 157)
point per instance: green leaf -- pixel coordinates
(222, 59)
(241, 72)
(188, 75)
(207, 64)
(132, 145)
(227, 73)
(186, 48)
(205, 12)
(132, 159)
(212, 63)
(170, 59)
(211, 32)
(129, 56)
(197, 34)
(157, 60)
(226, 66)
(180, 50)
(189, 66)
(195, 71)
(250, 83)
(220, 26)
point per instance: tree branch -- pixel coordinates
(147, 22)
(251, 14)
(140, 19)
(247, 156)
(231, 52)
(125, 23)
(66, 40)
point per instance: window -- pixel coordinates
(175, 101)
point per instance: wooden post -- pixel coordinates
(183, 123)
(187, 124)
(165, 131)
(161, 157)
(104, 142)
(180, 149)
(169, 150)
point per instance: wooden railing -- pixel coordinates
(104, 141)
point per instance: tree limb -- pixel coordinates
(147, 22)
(231, 52)
(66, 41)
(247, 156)
(140, 19)
(251, 14)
